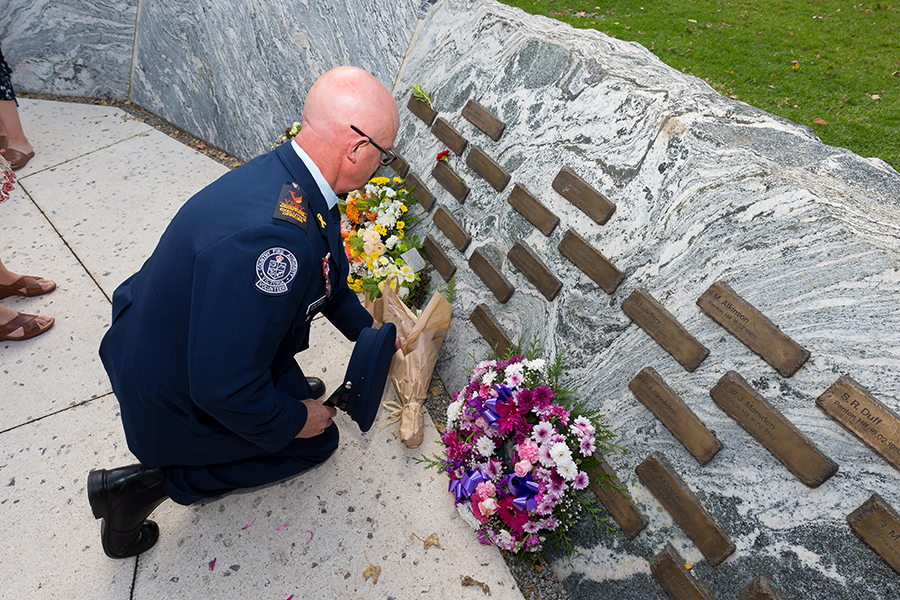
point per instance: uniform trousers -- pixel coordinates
(188, 484)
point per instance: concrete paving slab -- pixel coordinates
(61, 131)
(50, 546)
(112, 205)
(60, 367)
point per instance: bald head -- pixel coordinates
(342, 97)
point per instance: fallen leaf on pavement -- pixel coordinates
(432, 541)
(373, 572)
(819, 121)
(466, 580)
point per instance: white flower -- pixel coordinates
(389, 192)
(560, 453)
(465, 511)
(489, 377)
(568, 470)
(514, 368)
(535, 365)
(391, 242)
(504, 539)
(485, 446)
(371, 236)
(407, 274)
(453, 411)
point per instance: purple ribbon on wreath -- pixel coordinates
(504, 394)
(463, 488)
(524, 489)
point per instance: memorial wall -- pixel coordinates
(725, 286)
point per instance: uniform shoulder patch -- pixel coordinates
(276, 269)
(293, 206)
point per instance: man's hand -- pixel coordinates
(318, 418)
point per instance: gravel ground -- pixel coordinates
(536, 580)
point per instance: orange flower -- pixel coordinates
(353, 211)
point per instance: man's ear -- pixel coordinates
(354, 149)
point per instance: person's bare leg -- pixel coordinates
(9, 115)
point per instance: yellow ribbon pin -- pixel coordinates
(321, 220)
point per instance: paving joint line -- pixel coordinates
(56, 412)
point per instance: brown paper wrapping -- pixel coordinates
(413, 364)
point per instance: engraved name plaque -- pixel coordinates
(761, 588)
(449, 181)
(678, 418)
(399, 165)
(668, 569)
(492, 277)
(752, 328)
(452, 139)
(680, 502)
(419, 191)
(588, 259)
(421, 110)
(532, 209)
(577, 191)
(877, 523)
(851, 405)
(659, 324)
(488, 168)
(619, 505)
(481, 118)
(525, 260)
(437, 257)
(489, 329)
(454, 232)
(771, 429)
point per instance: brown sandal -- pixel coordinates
(27, 283)
(27, 323)
(16, 158)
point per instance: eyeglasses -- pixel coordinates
(388, 157)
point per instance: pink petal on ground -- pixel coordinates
(248, 525)
(310, 534)
(212, 565)
(282, 527)
(289, 597)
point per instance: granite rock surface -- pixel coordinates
(235, 74)
(70, 47)
(706, 189)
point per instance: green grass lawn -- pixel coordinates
(833, 66)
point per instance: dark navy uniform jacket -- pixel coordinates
(204, 332)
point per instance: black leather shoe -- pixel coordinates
(317, 385)
(123, 498)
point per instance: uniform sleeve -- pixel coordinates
(235, 331)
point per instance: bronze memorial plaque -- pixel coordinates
(532, 209)
(752, 328)
(451, 138)
(489, 329)
(877, 523)
(771, 429)
(451, 229)
(488, 168)
(399, 165)
(668, 569)
(481, 118)
(616, 501)
(678, 418)
(491, 276)
(525, 260)
(588, 259)
(450, 182)
(659, 324)
(421, 110)
(761, 588)
(577, 191)
(680, 502)
(419, 191)
(436, 255)
(853, 406)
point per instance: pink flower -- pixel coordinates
(587, 446)
(514, 380)
(522, 467)
(488, 506)
(542, 397)
(549, 523)
(581, 481)
(542, 432)
(531, 527)
(486, 489)
(528, 450)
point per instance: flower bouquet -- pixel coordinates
(374, 222)
(288, 134)
(519, 451)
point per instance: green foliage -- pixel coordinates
(422, 95)
(827, 64)
(449, 290)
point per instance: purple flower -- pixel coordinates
(532, 527)
(587, 446)
(581, 481)
(542, 397)
(542, 432)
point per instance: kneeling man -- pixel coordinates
(201, 349)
